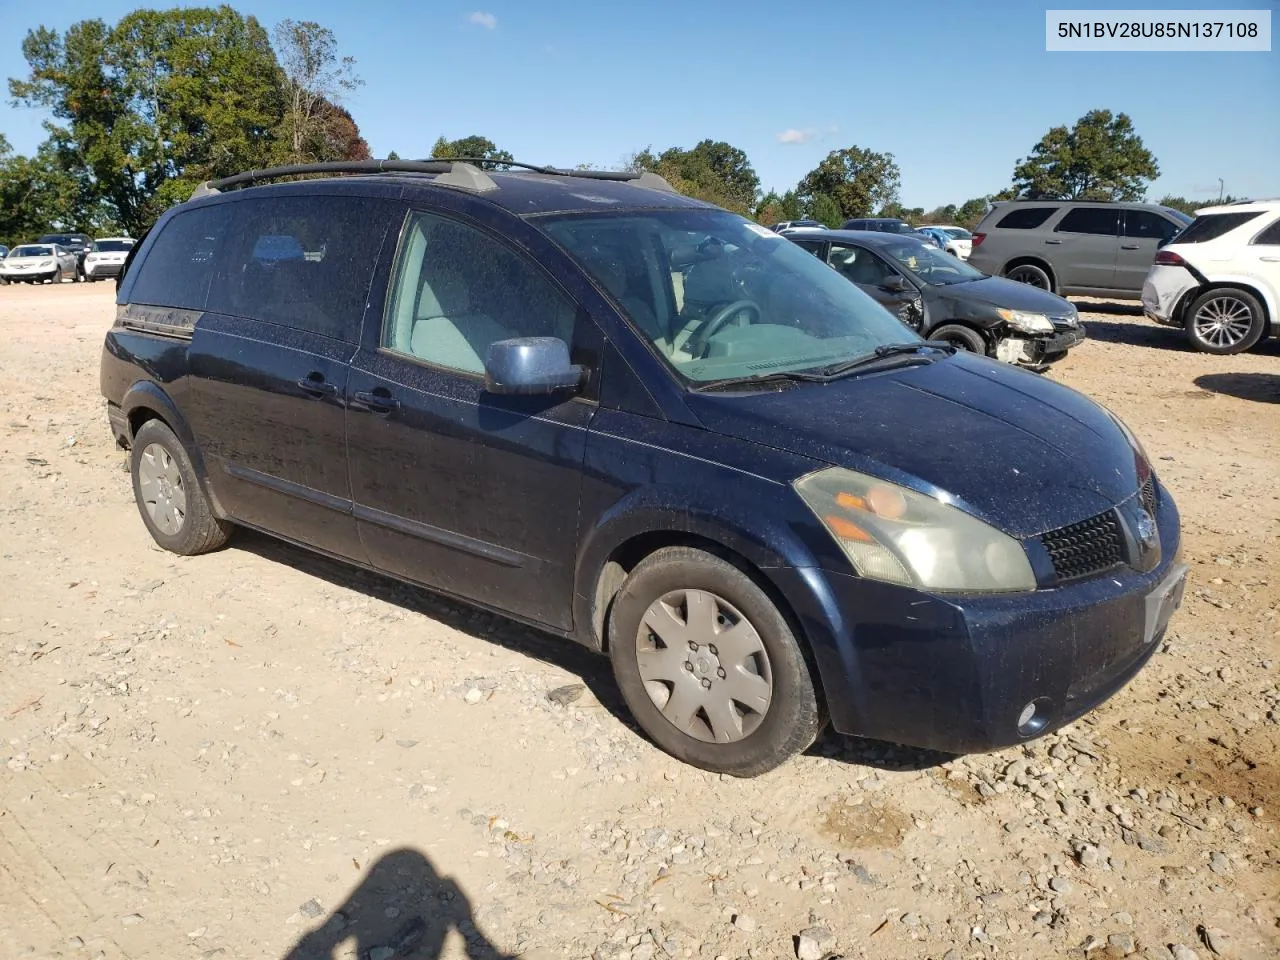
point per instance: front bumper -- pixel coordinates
(1037, 351)
(954, 674)
(102, 268)
(14, 276)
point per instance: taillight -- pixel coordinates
(1167, 258)
(978, 238)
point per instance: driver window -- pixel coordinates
(859, 265)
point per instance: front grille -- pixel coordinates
(1147, 494)
(1085, 548)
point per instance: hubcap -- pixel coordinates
(1029, 277)
(704, 666)
(163, 495)
(1223, 322)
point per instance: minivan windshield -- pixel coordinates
(720, 297)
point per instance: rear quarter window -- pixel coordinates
(1025, 218)
(1269, 236)
(1211, 226)
(179, 266)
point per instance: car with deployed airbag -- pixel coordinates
(649, 425)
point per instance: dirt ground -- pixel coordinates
(262, 754)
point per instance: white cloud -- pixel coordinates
(795, 136)
(482, 19)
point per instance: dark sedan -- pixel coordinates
(943, 298)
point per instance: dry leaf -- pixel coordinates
(230, 643)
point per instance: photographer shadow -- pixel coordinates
(402, 909)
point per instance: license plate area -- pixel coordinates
(1163, 601)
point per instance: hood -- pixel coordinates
(1009, 294)
(1023, 453)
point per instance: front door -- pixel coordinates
(1142, 233)
(269, 361)
(469, 492)
(1083, 247)
(875, 277)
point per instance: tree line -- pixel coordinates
(145, 109)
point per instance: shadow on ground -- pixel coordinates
(1135, 334)
(595, 671)
(402, 908)
(1120, 308)
(1259, 387)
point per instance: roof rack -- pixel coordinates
(463, 172)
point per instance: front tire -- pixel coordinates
(57, 275)
(709, 667)
(964, 338)
(1225, 320)
(173, 507)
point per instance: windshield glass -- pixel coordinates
(111, 246)
(31, 251)
(929, 263)
(958, 233)
(1178, 215)
(721, 297)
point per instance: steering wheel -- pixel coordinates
(713, 324)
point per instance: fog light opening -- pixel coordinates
(1033, 718)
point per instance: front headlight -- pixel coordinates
(894, 534)
(46, 263)
(1026, 322)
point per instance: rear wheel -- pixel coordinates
(1225, 320)
(168, 495)
(708, 665)
(1030, 274)
(961, 337)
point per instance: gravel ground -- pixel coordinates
(263, 754)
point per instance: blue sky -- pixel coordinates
(957, 92)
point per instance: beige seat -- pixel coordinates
(447, 331)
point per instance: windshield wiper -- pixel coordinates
(760, 379)
(907, 351)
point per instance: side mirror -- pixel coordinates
(894, 284)
(530, 365)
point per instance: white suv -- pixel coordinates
(1220, 277)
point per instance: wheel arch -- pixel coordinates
(147, 401)
(1270, 307)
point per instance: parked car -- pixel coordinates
(927, 237)
(1074, 247)
(4, 252)
(1220, 278)
(38, 262)
(77, 243)
(789, 225)
(942, 298)
(106, 257)
(959, 242)
(631, 418)
(884, 224)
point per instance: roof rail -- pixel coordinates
(462, 172)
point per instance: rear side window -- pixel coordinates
(179, 265)
(1213, 225)
(1096, 220)
(301, 262)
(1143, 224)
(1025, 218)
(1271, 235)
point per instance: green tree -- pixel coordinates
(1189, 207)
(316, 78)
(826, 210)
(1100, 158)
(393, 155)
(970, 212)
(711, 170)
(37, 194)
(474, 146)
(859, 180)
(145, 110)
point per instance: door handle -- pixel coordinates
(316, 385)
(1129, 246)
(1053, 241)
(377, 401)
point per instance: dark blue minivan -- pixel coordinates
(649, 425)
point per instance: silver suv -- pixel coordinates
(1074, 247)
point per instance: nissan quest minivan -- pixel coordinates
(649, 425)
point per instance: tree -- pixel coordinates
(1189, 207)
(711, 170)
(826, 210)
(475, 146)
(971, 211)
(393, 155)
(857, 179)
(315, 80)
(333, 136)
(145, 110)
(38, 195)
(1100, 158)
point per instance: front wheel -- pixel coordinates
(57, 275)
(709, 667)
(963, 338)
(1226, 320)
(173, 507)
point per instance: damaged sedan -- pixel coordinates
(945, 299)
